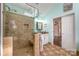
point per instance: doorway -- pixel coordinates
(57, 31)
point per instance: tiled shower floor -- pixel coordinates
(49, 50)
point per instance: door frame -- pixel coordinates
(58, 18)
(66, 14)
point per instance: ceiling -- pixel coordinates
(44, 8)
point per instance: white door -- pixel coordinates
(68, 41)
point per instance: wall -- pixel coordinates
(11, 7)
(57, 10)
(23, 30)
(76, 10)
(19, 9)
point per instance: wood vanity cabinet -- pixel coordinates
(37, 44)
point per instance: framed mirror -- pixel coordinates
(39, 25)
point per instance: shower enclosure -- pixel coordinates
(19, 28)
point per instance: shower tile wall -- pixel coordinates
(23, 31)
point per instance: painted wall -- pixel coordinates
(56, 10)
(76, 10)
(19, 9)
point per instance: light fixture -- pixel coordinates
(37, 11)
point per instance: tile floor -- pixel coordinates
(53, 50)
(49, 50)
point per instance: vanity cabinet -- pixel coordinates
(40, 39)
(37, 44)
(43, 40)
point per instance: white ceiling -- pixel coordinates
(44, 8)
